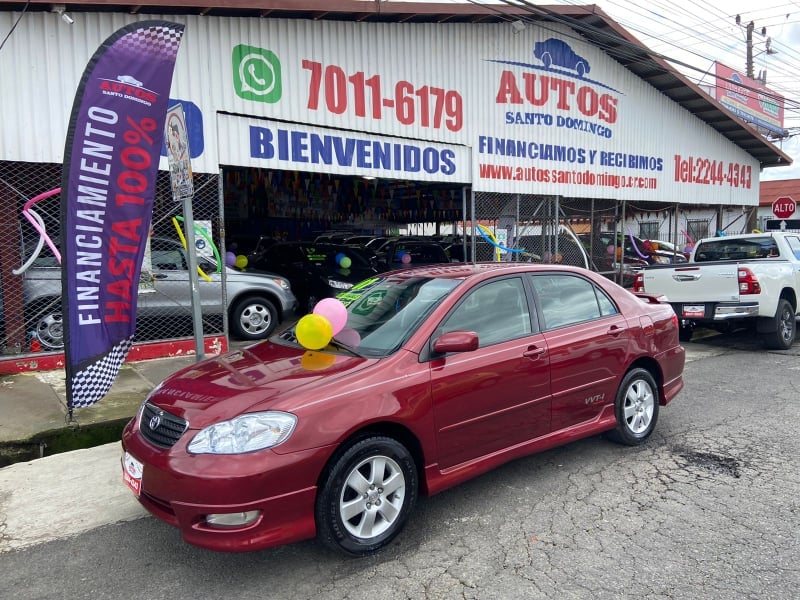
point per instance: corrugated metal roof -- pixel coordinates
(590, 21)
(771, 190)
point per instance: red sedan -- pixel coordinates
(440, 374)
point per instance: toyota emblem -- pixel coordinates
(155, 421)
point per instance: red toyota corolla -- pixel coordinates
(440, 374)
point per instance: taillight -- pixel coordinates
(638, 282)
(748, 283)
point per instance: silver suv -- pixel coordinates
(256, 302)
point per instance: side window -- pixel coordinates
(567, 299)
(167, 260)
(794, 244)
(497, 312)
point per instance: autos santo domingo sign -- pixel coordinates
(784, 207)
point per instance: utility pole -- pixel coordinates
(750, 28)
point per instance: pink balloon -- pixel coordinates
(406, 258)
(333, 310)
(349, 337)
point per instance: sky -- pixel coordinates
(695, 33)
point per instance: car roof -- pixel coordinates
(488, 269)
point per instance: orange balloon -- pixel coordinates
(316, 361)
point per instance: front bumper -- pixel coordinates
(181, 489)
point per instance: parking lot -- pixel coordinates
(708, 508)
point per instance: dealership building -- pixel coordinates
(382, 117)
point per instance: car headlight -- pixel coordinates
(281, 282)
(245, 433)
(339, 285)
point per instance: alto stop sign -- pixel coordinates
(784, 207)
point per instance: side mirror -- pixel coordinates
(456, 341)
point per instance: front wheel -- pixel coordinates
(253, 318)
(782, 337)
(636, 408)
(367, 496)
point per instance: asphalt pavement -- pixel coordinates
(76, 491)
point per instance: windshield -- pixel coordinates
(382, 313)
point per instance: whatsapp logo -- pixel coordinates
(256, 74)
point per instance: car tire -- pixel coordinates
(366, 497)
(785, 330)
(49, 331)
(636, 408)
(253, 318)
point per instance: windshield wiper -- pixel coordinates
(345, 348)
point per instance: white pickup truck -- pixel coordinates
(736, 279)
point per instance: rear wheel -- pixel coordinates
(253, 318)
(636, 408)
(782, 337)
(367, 496)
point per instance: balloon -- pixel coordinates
(349, 337)
(241, 261)
(230, 259)
(313, 331)
(610, 249)
(345, 262)
(339, 257)
(333, 310)
(315, 361)
(406, 258)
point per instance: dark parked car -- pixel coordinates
(316, 270)
(439, 374)
(409, 252)
(556, 52)
(605, 249)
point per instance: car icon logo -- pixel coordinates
(129, 80)
(553, 52)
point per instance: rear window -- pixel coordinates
(736, 249)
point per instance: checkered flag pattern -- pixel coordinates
(92, 383)
(159, 41)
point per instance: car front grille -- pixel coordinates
(160, 427)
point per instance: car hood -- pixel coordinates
(267, 376)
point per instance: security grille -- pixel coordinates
(525, 228)
(30, 274)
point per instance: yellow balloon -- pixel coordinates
(313, 331)
(241, 261)
(316, 361)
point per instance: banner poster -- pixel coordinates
(114, 140)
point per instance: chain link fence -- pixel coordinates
(30, 272)
(527, 228)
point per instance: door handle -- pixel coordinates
(614, 330)
(159, 276)
(533, 352)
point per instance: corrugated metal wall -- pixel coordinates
(43, 60)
